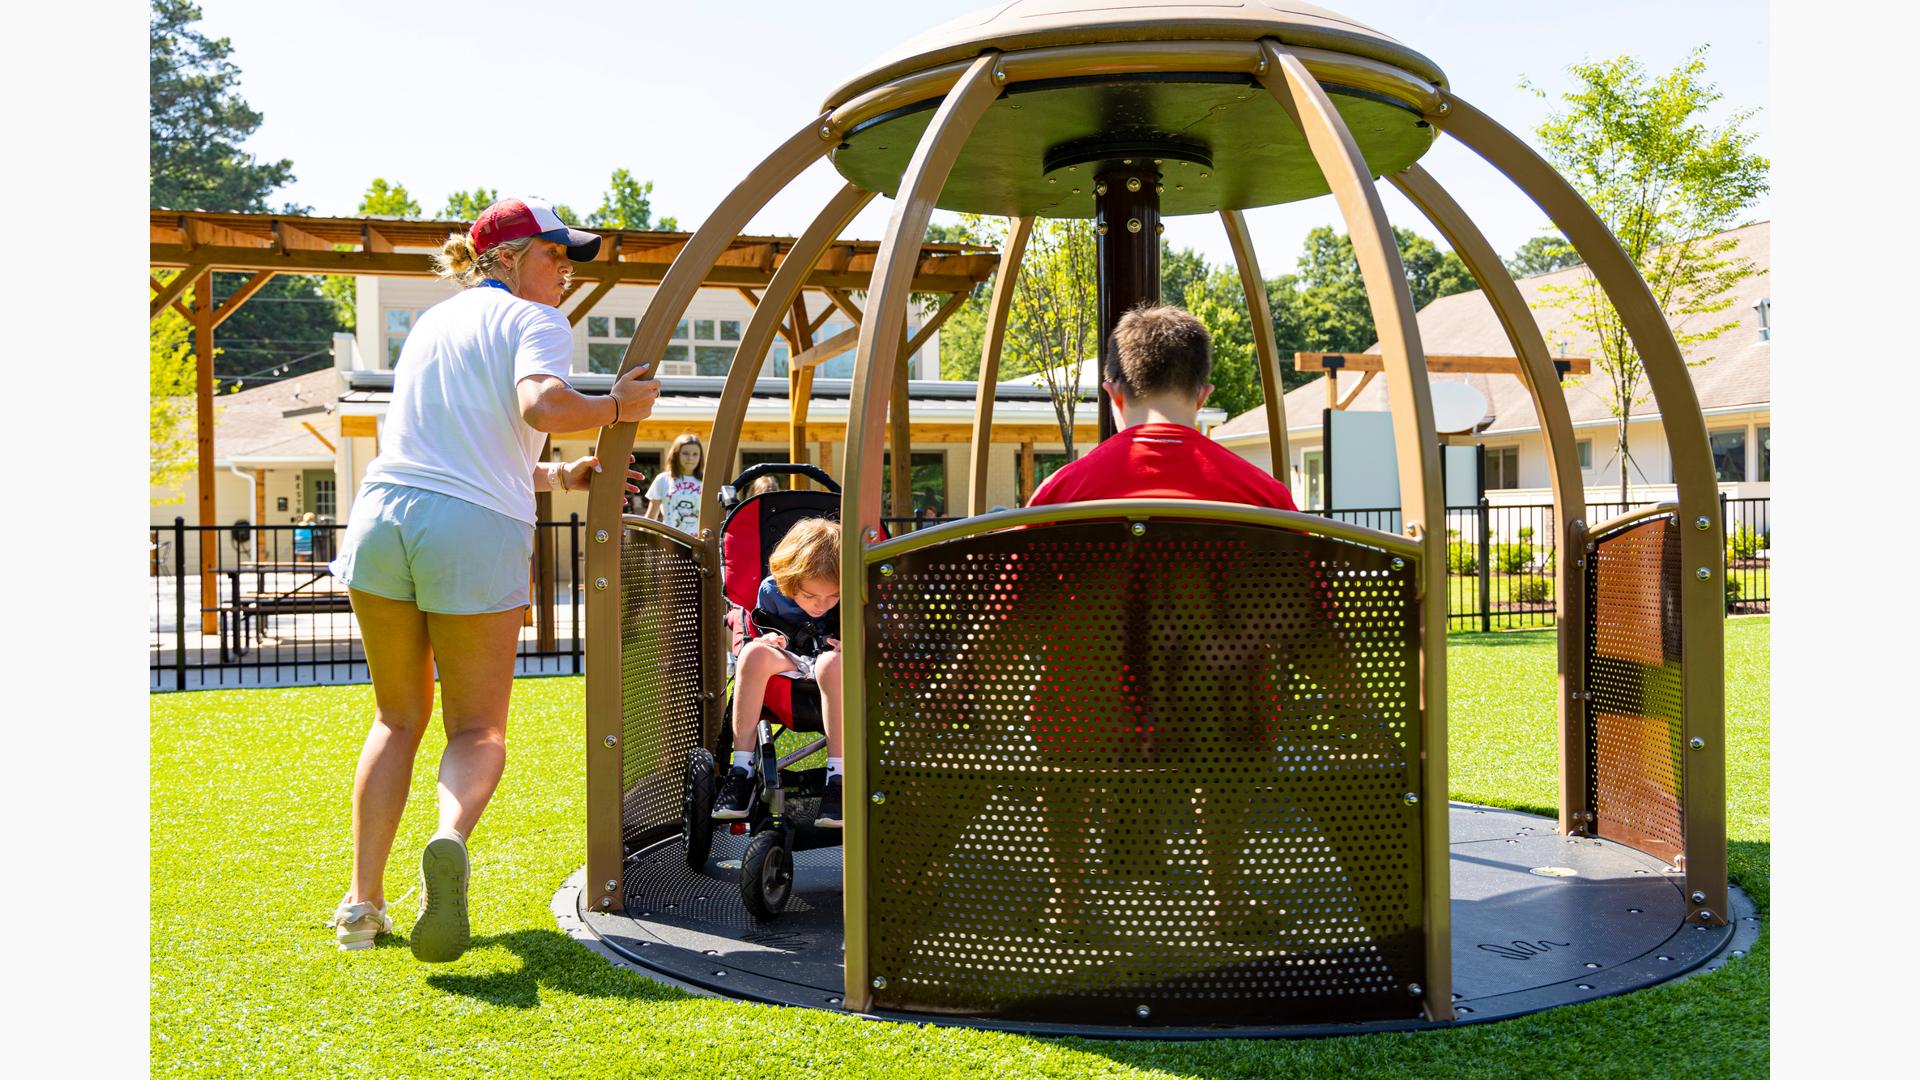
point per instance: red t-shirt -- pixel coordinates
(1162, 461)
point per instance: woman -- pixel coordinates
(438, 542)
(675, 499)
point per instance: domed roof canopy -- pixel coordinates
(1220, 139)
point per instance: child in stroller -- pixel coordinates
(797, 617)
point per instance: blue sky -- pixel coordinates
(692, 95)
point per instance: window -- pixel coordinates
(1765, 453)
(399, 324)
(1585, 449)
(705, 347)
(323, 503)
(1312, 465)
(929, 485)
(1503, 467)
(750, 458)
(839, 367)
(1729, 455)
(607, 337)
(1044, 465)
(1763, 308)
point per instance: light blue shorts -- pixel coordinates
(446, 555)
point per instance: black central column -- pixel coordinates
(1127, 246)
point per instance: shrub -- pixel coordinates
(1532, 590)
(1744, 543)
(1526, 532)
(1513, 558)
(1733, 588)
(1462, 558)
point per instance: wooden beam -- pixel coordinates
(170, 292)
(586, 304)
(1348, 400)
(185, 311)
(371, 239)
(259, 496)
(232, 303)
(203, 451)
(1026, 472)
(932, 325)
(844, 341)
(843, 300)
(799, 386)
(820, 320)
(1459, 365)
(331, 449)
(290, 237)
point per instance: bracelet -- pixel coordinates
(559, 478)
(616, 409)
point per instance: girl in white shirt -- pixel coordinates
(674, 497)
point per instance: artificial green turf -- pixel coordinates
(250, 853)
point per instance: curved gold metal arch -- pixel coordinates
(1416, 449)
(1702, 545)
(994, 342)
(875, 368)
(1266, 352)
(606, 500)
(1569, 491)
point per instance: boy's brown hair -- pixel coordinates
(810, 549)
(1159, 349)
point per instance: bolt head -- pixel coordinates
(1399, 563)
(1142, 1011)
(886, 569)
(1698, 897)
(1133, 183)
(1444, 109)
(1410, 798)
(599, 583)
(606, 901)
(612, 884)
(612, 741)
(1103, 228)
(600, 536)
(706, 534)
(1697, 743)
(1703, 523)
(1133, 225)
(1160, 228)
(879, 982)
(1159, 189)
(1704, 915)
(999, 75)
(1074, 191)
(1414, 990)
(826, 131)
(1703, 573)
(879, 798)
(1100, 188)
(1138, 528)
(872, 535)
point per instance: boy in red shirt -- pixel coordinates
(1157, 379)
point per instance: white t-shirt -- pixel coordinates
(679, 499)
(454, 425)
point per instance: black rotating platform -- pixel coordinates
(1539, 920)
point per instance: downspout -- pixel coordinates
(253, 491)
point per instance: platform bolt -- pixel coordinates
(879, 982)
(1704, 915)
(1703, 523)
(612, 741)
(1703, 573)
(886, 569)
(1138, 528)
(1410, 798)
(599, 536)
(600, 583)
(1414, 990)
(1133, 183)
(1142, 1011)
(1697, 743)
(612, 884)
(879, 798)
(606, 901)
(1698, 897)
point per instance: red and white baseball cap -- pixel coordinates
(511, 219)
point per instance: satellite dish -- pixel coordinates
(1457, 407)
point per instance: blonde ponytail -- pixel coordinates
(456, 259)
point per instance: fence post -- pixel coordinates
(573, 581)
(179, 603)
(1726, 541)
(1486, 566)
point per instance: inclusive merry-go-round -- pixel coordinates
(1156, 767)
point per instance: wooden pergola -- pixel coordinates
(197, 244)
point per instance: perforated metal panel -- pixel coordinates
(660, 680)
(1163, 772)
(1635, 712)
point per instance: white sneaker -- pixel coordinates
(356, 925)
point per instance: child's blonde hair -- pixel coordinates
(810, 549)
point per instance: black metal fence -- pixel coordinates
(267, 612)
(270, 613)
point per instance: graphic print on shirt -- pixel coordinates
(679, 498)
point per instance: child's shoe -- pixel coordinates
(736, 795)
(829, 816)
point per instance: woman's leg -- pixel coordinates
(757, 664)
(401, 662)
(827, 673)
(476, 681)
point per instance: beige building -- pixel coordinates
(1730, 375)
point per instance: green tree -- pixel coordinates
(388, 200)
(1542, 255)
(197, 120)
(1220, 303)
(466, 205)
(1178, 269)
(1668, 186)
(627, 204)
(170, 372)
(1334, 315)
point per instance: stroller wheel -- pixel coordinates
(766, 875)
(696, 808)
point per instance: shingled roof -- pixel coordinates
(1464, 324)
(254, 423)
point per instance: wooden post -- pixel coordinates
(546, 566)
(799, 390)
(203, 424)
(259, 501)
(1026, 472)
(900, 439)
